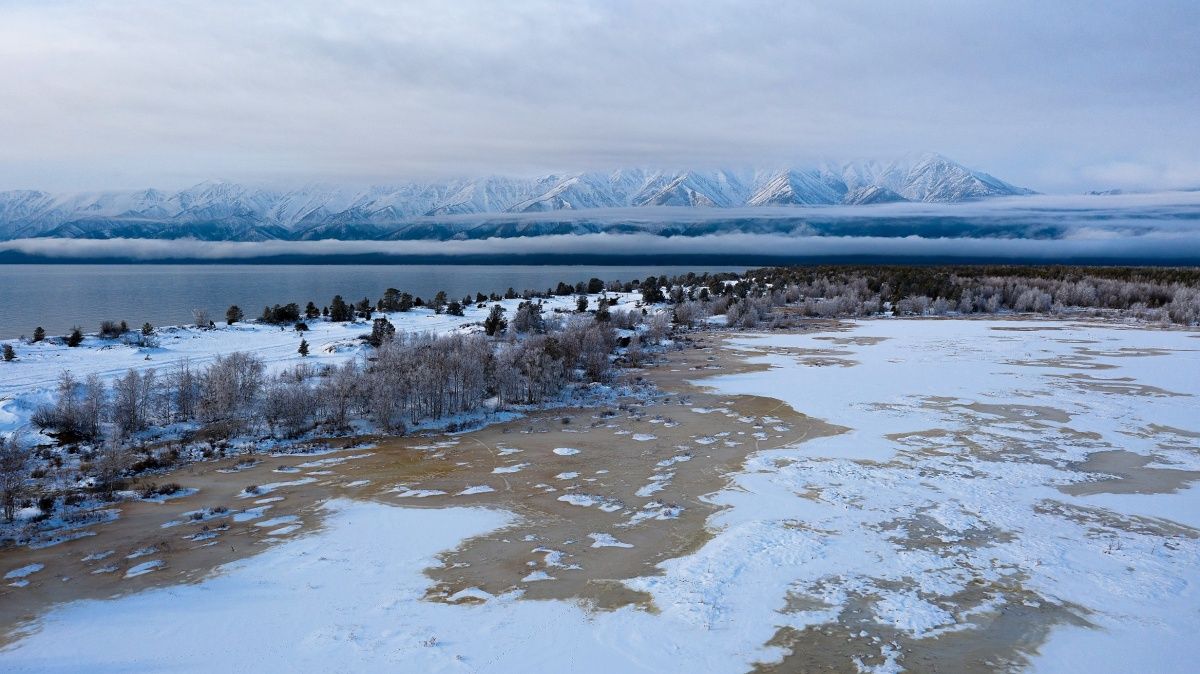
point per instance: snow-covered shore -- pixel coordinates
(948, 505)
(29, 381)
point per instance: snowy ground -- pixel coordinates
(946, 507)
(30, 380)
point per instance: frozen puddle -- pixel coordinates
(566, 451)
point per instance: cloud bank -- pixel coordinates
(1163, 227)
(126, 93)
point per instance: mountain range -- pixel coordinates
(225, 211)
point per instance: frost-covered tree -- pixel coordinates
(229, 387)
(200, 318)
(112, 461)
(529, 318)
(127, 409)
(14, 471)
(92, 407)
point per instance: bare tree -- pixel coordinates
(14, 470)
(201, 318)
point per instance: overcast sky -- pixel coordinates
(1059, 96)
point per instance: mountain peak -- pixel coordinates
(223, 208)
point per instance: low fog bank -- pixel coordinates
(1161, 228)
(1180, 246)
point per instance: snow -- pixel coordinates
(30, 380)
(276, 521)
(510, 469)
(606, 541)
(394, 208)
(834, 519)
(566, 451)
(418, 493)
(478, 489)
(143, 568)
(24, 571)
(262, 489)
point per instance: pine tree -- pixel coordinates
(233, 314)
(454, 308)
(303, 350)
(602, 314)
(311, 311)
(390, 300)
(651, 292)
(495, 323)
(581, 304)
(339, 311)
(147, 329)
(9, 354)
(75, 338)
(382, 331)
(38, 334)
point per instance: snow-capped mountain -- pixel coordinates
(223, 211)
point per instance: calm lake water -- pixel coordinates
(58, 297)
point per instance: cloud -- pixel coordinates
(129, 93)
(1113, 228)
(1166, 246)
(1175, 245)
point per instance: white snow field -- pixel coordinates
(30, 380)
(942, 506)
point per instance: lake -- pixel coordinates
(58, 297)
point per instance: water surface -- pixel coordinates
(58, 297)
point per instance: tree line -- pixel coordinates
(407, 380)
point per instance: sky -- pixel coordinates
(1060, 96)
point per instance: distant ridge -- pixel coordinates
(223, 211)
